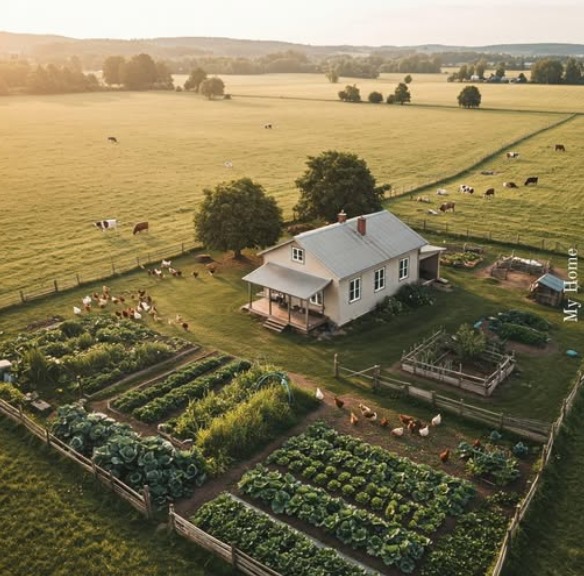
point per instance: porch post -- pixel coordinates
(249, 293)
(289, 306)
(307, 311)
(270, 301)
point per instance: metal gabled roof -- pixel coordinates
(550, 281)
(287, 280)
(346, 252)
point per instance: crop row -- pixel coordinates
(403, 490)
(134, 398)
(274, 544)
(354, 527)
(160, 407)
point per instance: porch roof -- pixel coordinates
(429, 250)
(287, 281)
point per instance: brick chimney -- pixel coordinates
(342, 217)
(361, 225)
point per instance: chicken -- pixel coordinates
(166, 263)
(364, 409)
(185, 326)
(405, 419)
(102, 303)
(76, 310)
(86, 301)
(195, 274)
(437, 420)
(444, 455)
(425, 431)
(87, 307)
(476, 444)
(340, 403)
(384, 422)
(371, 416)
(354, 419)
(414, 426)
(115, 300)
(397, 432)
(178, 319)
(137, 315)
(319, 395)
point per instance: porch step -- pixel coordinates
(275, 325)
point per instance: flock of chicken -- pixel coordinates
(408, 422)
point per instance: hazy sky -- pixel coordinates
(318, 22)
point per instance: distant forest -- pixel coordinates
(43, 64)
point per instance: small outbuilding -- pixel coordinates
(548, 289)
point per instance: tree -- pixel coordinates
(375, 97)
(336, 181)
(463, 73)
(573, 72)
(195, 79)
(350, 94)
(238, 215)
(212, 87)
(500, 71)
(547, 71)
(480, 68)
(332, 75)
(139, 73)
(111, 69)
(408, 79)
(470, 97)
(521, 79)
(402, 93)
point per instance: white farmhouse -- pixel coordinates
(339, 272)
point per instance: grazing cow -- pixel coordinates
(140, 227)
(447, 206)
(531, 180)
(442, 192)
(560, 148)
(512, 155)
(509, 185)
(489, 192)
(466, 189)
(268, 126)
(423, 199)
(112, 139)
(488, 172)
(104, 225)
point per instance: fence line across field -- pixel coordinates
(528, 428)
(141, 502)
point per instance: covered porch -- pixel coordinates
(430, 262)
(288, 298)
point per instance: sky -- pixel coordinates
(316, 22)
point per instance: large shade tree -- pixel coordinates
(212, 87)
(469, 97)
(237, 215)
(336, 181)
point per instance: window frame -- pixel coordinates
(297, 255)
(355, 289)
(379, 278)
(317, 299)
(403, 268)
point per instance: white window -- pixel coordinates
(404, 268)
(297, 255)
(316, 298)
(379, 280)
(355, 290)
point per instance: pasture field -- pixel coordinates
(60, 174)
(56, 520)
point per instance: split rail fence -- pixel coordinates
(141, 502)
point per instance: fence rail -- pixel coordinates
(141, 502)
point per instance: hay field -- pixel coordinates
(59, 173)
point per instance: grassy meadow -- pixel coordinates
(60, 174)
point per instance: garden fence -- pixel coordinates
(141, 502)
(101, 269)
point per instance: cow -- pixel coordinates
(447, 206)
(512, 155)
(531, 180)
(466, 189)
(104, 225)
(509, 185)
(560, 148)
(268, 126)
(442, 192)
(112, 139)
(140, 227)
(489, 192)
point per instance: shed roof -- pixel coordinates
(342, 249)
(287, 281)
(550, 281)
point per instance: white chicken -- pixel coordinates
(364, 409)
(437, 420)
(319, 395)
(397, 432)
(137, 316)
(425, 431)
(76, 310)
(86, 301)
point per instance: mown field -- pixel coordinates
(60, 174)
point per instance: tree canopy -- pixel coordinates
(196, 77)
(547, 71)
(402, 93)
(212, 87)
(237, 215)
(469, 97)
(336, 181)
(350, 94)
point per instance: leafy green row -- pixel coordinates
(277, 546)
(160, 407)
(357, 528)
(133, 398)
(495, 464)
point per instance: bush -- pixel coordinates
(389, 307)
(523, 334)
(11, 394)
(414, 296)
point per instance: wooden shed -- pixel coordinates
(548, 289)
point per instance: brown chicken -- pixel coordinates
(384, 422)
(444, 455)
(354, 419)
(476, 443)
(405, 419)
(340, 403)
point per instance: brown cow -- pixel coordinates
(489, 192)
(140, 227)
(560, 148)
(447, 206)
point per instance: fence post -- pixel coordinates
(78, 279)
(336, 365)
(113, 266)
(48, 436)
(433, 397)
(234, 556)
(501, 421)
(22, 298)
(461, 409)
(56, 285)
(94, 466)
(111, 479)
(376, 373)
(171, 522)
(147, 501)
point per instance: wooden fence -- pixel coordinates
(101, 269)
(141, 502)
(524, 427)
(230, 554)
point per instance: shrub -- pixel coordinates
(71, 329)
(414, 296)
(523, 334)
(11, 394)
